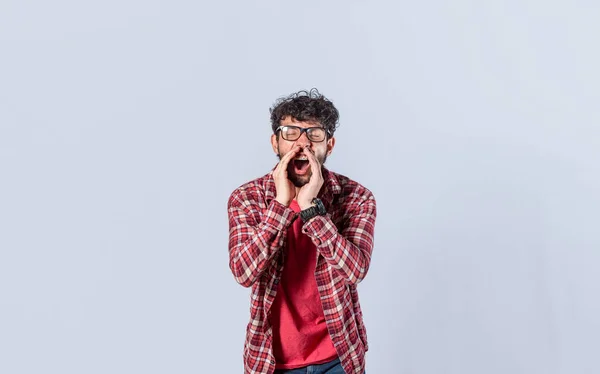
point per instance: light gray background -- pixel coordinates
(125, 125)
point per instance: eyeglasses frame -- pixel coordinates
(304, 130)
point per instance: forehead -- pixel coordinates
(291, 121)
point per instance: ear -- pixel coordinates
(274, 144)
(330, 145)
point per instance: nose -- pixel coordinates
(303, 140)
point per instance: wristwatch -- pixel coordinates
(318, 209)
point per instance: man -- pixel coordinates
(302, 237)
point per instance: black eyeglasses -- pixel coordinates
(291, 133)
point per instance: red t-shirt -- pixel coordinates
(300, 335)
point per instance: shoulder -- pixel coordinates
(250, 192)
(351, 189)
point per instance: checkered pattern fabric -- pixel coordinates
(344, 240)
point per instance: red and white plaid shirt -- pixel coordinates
(344, 239)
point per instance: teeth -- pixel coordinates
(301, 158)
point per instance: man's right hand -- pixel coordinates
(286, 191)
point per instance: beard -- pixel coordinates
(301, 180)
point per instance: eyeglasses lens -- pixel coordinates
(291, 133)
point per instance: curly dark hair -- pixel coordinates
(306, 106)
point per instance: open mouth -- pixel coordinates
(301, 166)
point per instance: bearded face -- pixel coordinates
(299, 169)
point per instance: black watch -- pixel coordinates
(318, 209)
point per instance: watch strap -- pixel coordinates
(313, 211)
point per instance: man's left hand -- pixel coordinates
(310, 190)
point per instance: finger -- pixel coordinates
(283, 163)
(288, 156)
(312, 159)
(315, 166)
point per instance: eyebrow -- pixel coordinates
(309, 127)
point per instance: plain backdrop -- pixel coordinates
(125, 125)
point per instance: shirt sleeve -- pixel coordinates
(348, 250)
(254, 237)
